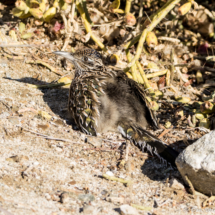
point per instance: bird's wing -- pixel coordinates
(141, 95)
(84, 102)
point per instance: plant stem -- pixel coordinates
(87, 26)
(161, 13)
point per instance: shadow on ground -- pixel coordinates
(56, 98)
(7, 17)
(158, 171)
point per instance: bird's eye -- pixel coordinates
(85, 58)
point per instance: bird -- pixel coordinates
(102, 99)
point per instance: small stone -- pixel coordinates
(128, 210)
(86, 197)
(58, 122)
(43, 126)
(176, 185)
(184, 70)
(109, 173)
(47, 196)
(88, 209)
(104, 192)
(115, 200)
(64, 198)
(73, 165)
(186, 57)
(197, 162)
(55, 198)
(58, 149)
(72, 182)
(36, 163)
(14, 158)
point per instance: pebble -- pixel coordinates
(47, 196)
(36, 163)
(176, 184)
(88, 209)
(58, 149)
(109, 173)
(197, 163)
(104, 192)
(128, 210)
(115, 200)
(64, 198)
(86, 197)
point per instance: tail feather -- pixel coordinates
(146, 141)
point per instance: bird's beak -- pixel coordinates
(67, 55)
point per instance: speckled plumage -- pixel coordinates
(102, 99)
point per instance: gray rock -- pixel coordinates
(86, 197)
(197, 161)
(128, 210)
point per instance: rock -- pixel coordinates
(72, 182)
(176, 185)
(88, 209)
(17, 158)
(14, 158)
(64, 198)
(104, 192)
(128, 210)
(197, 161)
(47, 196)
(86, 197)
(109, 173)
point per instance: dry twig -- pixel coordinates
(112, 178)
(53, 69)
(49, 137)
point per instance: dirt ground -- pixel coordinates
(49, 167)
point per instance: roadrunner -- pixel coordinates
(102, 99)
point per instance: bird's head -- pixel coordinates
(86, 60)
